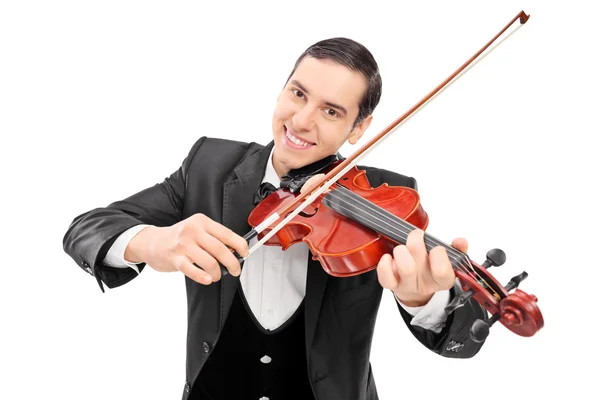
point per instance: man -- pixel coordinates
(280, 328)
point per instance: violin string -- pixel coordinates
(462, 257)
(459, 266)
(401, 230)
(405, 227)
(388, 232)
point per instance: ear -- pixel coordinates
(359, 130)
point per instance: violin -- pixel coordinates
(349, 225)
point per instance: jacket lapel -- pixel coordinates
(238, 195)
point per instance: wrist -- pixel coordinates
(412, 300)
(135, 252)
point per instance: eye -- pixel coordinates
(298, 93)
(331, 112)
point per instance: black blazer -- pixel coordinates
(219, 178)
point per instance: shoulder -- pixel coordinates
(218, 146)
(220, 151)
(379, 176)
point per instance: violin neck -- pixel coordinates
(366, 213)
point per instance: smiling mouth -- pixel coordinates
(296, 140)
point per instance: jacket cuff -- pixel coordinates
(457, 343)
(93, 262)
(432, 315)
(115, 257)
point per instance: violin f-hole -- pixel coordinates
(307, 215)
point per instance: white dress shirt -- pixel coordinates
(274, 281)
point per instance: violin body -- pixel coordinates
(342, 246)
(346, 247)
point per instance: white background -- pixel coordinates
(99, 100)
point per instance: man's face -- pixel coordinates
(315, 113)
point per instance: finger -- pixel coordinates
(442, 272)
(226, 236)
(311, 182)
(461, 244)
(416, 246)
(221, 253)
(185, 265)
(204, 260)
(405, 265)
(386, 272)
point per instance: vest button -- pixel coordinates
(206, 347)
(265, 359)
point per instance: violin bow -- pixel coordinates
(322, 184)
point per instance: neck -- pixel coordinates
(280, 169)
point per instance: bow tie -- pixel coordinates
(263, 191)
(296, 178)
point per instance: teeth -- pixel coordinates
(295, 140)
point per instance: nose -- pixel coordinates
(303, 119)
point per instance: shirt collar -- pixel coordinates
(270, 174)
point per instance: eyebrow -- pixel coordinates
(330, 104)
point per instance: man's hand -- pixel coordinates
(413, 274)
(197, 239)
(311, 182)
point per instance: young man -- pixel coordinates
(280, 328)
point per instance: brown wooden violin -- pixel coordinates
(348, 226)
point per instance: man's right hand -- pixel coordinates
(197, 239)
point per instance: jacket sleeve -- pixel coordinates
(454, 339)
(91, 234)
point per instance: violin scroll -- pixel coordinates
(517, 311)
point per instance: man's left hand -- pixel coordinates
(415, 275)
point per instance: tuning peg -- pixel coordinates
(481, 329)
(495, 258)
(515, 281)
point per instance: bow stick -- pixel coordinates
(342, 168)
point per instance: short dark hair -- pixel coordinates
(355, 56)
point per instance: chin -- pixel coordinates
(289, 157)
(291, 162)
